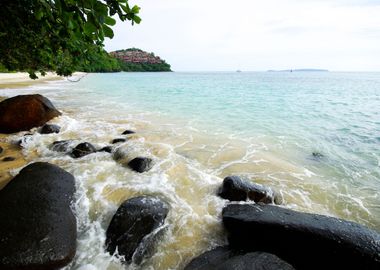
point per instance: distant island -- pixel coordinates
(301, 70)
(134, 59)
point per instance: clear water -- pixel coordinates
(201, 127)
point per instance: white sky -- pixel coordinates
(254, 35)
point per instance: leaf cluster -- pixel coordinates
(57, 35)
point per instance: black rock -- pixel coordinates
(83, 149)
(135, 219)
(141, 164)
(1, 150)
(317, 155)
(223, 258)
(128, 132)
(24, 139)
(38, 227)
(306, 241)
(61, 146)
(6, 159)
(47, 129)
(236, 189)
(107, 149)
(118, 140)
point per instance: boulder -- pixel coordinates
(107, 149)
(127, 132)
(236, 189)
(38, 228)
(118, 140)
(223, 258)
(141, 164)
(61, 146)
(24, 112)
(306, 241)
(48, 129)
(83, 149)
(135, 226)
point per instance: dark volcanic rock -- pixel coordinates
(306, 241)
(83, 149)
(38, 228)
(118, 140)
(223, 258)
(141, 164)
(48, 128)
(6, 159)
(236, 189)
(127, 132)
(25, 112)
(130, 230)
(61, 146)
(107, 149)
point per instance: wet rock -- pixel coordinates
(27, 137)
(38, 228)
(6, 159)
(61, 146)
(48, 129)
(236, 189)
(306, 241)
(1, 150)
(107, 149)
(83, 149)
(134, 227)
(223, 258)
(25, 112)
(118, 140)
(141, 164)
(127, 132)
(317, 155)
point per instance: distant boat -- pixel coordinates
(238, 70)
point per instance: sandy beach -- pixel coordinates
(21, 79)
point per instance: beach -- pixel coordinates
(199, 128)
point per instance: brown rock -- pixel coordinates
(24, 112)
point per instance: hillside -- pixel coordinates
(134, 59)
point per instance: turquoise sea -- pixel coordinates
(312, 136)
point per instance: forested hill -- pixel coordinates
(134, 59)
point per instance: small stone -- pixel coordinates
(60, 146)
(128, 132)
(107, 149)
(48, 129)
(141, 164)
(6, 159)
(83, 149)
(118, 140)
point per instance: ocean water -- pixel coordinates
(312, 136)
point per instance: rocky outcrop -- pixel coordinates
(38, 228)
(141, 164)
(49, 128)
(83, 149)
(24, 112)
(236, 189)
(223, 258)
(306, 241)
(135, 226)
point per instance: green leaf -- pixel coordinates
(107, 31)
(136, 19)
(39, 14)
(135, 9)
(110, 21)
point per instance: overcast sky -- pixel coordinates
(254, 35)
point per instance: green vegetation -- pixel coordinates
(138, 67)
(59, 35)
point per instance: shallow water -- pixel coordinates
(201, 127)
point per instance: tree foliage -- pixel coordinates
(57, 35)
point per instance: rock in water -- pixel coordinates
(236, 189)
(107, 149)
(306, 241)
(134, 227)
(118, 140)
(127, 132)
(61, 146)
(38, 228)
(141, 164)
(48, 129)
(24, 112)
(223, 258)
(83, 149)
(1, 150)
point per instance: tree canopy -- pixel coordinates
(57, 35)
